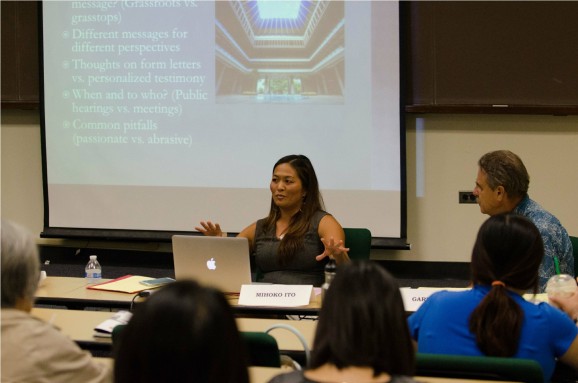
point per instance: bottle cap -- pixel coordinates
(331, 266)
(93, 257)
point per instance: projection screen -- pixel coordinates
(159, 114)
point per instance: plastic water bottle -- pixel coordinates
(330, 270)
(93, 271)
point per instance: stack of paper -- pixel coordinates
(104, 330)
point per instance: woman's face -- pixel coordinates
(286, 187)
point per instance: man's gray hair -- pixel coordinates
(504, 168)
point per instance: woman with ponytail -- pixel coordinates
(493, 318)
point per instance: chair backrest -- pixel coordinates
(262, 349)
(116, 334)
(479, 367)
(359, 242)
(574, 241)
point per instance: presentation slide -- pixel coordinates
(160, 114)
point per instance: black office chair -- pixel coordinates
(358, 240)
(479, 367)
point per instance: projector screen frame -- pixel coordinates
(165, 235)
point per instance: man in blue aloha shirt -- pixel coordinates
(502, 186)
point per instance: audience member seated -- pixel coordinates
(184, 332)
(502, 187)
(33, 350)
(493, 318)
(362, 334)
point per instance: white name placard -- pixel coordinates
(275, 295)
(413, 298)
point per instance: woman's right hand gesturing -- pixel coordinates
(210, 229)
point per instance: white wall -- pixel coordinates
(21, 192)
(442, 153)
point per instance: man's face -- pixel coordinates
(490, 201)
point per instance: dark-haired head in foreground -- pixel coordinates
(362, 322)
(185, 332)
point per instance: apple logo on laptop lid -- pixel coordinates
(211, 264)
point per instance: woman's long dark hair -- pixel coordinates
(292, 241)
(508, 251)
(182, 333)
(362, 322)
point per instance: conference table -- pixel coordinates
(72, 293)
(79, 326)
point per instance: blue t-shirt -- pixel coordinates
(440, 326)
(557, 243)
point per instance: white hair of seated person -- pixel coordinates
(20, 266)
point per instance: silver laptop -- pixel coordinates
(221, 262)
